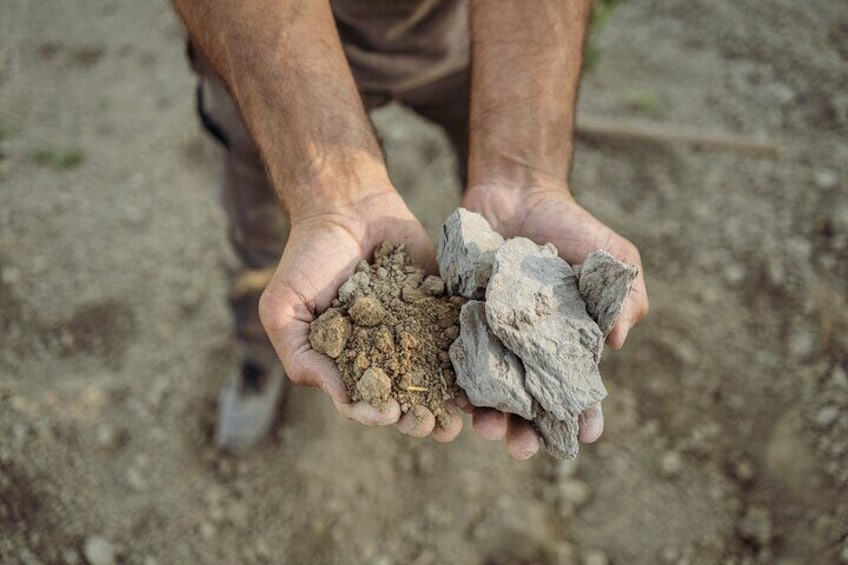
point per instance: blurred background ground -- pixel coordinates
(727, 434)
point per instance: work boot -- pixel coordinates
(248, 403)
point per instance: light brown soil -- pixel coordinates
(389, 331)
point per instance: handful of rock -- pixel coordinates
(533, 330)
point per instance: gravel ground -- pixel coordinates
(727, 435)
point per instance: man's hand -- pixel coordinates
(322, 252)
(552, 215)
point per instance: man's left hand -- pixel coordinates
(551, 215)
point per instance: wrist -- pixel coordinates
(506, 205)
(514, 171)
(332, 191)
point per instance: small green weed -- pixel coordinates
(59, 158)
(649, 104)
(601, 10)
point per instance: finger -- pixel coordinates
(365, 413)
(462, 402)
(489, 423)
(591, 424)
(522, 441)
(634, 309)
(418, 422)
(450, 426)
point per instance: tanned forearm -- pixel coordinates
(283, 63)
(525, 70)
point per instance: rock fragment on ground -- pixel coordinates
(99, 551)
(466, 253)
(604, 283)
(489, 374)
(755, 526)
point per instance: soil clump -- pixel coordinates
(388, 332)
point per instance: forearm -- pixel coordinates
(525, 71)
(283, 63)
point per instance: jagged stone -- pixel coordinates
(560, 436)
(490, 375)
(604, 282)
(534, 307)
(466, 253)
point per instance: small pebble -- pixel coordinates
(10, 275)
(135, 479)
(734, 273)
(99, 551)
(802, 343)
(756, 526)
(838, 377)
(574, 492)
(799, 248)
(207, 530)
(825, 178)
(826, 416)
(744, 470)
(106, 437)
(670, 554)
(594, 557)
(671, 463)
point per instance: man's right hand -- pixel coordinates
(322, 253)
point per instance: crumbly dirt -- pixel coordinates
(389, 331)
(726, 437)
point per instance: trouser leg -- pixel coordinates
(257, 224)
(445, 102)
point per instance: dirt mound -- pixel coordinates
(388, 332)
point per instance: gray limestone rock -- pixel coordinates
(604, 284)
(560, 436)
(466, 253)
(534, 307)
(489, 374)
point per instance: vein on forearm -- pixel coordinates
(283, 63)
(525, 65)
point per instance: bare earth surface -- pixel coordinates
(727, 435)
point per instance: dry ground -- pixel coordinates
(728, 409)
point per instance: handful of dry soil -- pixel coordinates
(389, 330)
